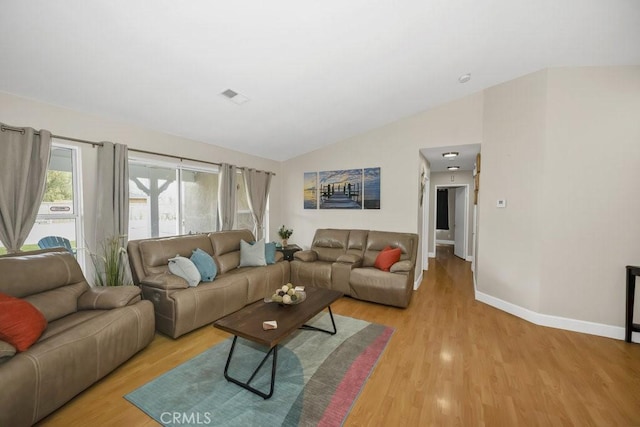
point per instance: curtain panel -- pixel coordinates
(257, 184)
(226, 196)
(24, 159)
(113, 192)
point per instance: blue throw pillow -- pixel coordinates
(205, 265)
(270, 252)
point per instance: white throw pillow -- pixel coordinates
(185, 268)
(252, 255)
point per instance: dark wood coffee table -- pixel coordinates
(247, 323)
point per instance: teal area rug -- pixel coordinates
(318, 379)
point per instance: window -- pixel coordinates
(59, 211)
(244, 219)
(169, 200)
(166, 200)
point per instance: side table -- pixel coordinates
(288, 251)
(629, 326)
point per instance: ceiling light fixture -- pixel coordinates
(464, 78)
(453, 168)
(450, 154)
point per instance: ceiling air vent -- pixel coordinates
(234, 96)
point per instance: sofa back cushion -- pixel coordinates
(226, 247)
(50, 279)
(357, 242)
(330, 243)
(378, 240)
(155, 253)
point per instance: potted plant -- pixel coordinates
(111, 265)
(284, 234)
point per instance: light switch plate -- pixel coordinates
(501, 203)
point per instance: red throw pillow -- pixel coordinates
(21, 324)
(387, 257)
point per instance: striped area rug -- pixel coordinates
(318, 379)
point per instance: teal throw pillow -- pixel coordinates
(270, 252)
(205, 265)
(252, 255)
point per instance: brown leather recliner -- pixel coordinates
(90, 332)
(344, 260)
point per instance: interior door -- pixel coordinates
(459, 227)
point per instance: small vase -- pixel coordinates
(285, 242)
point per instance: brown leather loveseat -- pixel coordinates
(344, 260)
(90, 332)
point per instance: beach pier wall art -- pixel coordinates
(342, 189)
(311, 190)
(371, 188)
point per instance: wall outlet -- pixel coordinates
(501, 203)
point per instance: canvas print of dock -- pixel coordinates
(310, 190)
(341, 189)
(372, 188)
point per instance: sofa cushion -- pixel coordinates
(330, 243)
(306, 256)
(226, 248)
(401, 267)
(109, 297)
(21, 324)
(155, 253)
(205, 265)
(6, 351)
(185, 268)
(270, 253)
(252, 255)
(387, 257)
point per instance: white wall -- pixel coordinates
(591, 201)
(512, 158)
(17, 111)
(395, 149)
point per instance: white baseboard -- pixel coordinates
(470, 258)
(592, 328)
(445, 242)
(432, 254)
(418, 281)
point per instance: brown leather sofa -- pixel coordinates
(90, 332)
(179, 308)
(344, 260)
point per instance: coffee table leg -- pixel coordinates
(273, 351)
(313, 328)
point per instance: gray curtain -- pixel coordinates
(226, 196)
(24, 158)
(257, 184)
(112, 191)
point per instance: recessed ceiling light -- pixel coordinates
(450, 154)
(464, 78)
(453, 168)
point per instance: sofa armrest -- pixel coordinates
(306, 256)
(165, 281)
(401, 267)
(354, 259)
(106, 298)
(279, 256)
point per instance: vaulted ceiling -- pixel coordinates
(314, 72)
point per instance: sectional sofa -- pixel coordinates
(180, 308)
(89, 332)
(338, 259)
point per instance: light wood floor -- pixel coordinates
(451, 361)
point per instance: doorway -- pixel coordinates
(458, 223)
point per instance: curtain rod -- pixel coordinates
(94, 143)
